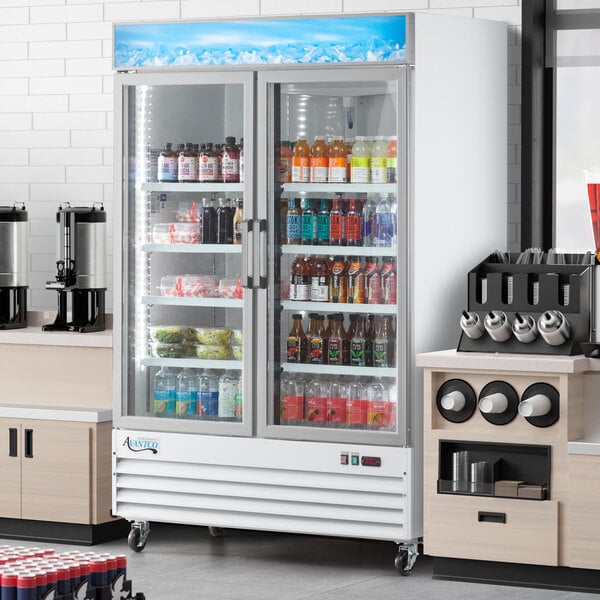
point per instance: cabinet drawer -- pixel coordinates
(496, 529)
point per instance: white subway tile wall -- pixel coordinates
(56, 138)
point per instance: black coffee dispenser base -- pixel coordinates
(87, 311)
(13, 307)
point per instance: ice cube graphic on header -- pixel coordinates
(261, 42)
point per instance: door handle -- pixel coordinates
(491, 517)
(29, 443)
(262, 257)
(248, 256)
(12, 442)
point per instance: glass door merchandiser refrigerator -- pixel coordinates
(297, 219)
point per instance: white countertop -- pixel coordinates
(59, 413)
(495, 361)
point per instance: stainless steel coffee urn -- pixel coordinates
(13, 266)
(80, 268)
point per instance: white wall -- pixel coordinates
(56, 138)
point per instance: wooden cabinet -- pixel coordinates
(10, 468)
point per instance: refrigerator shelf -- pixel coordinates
(342, 188)
(379, 309)
(194, 363)
(191, 187)
(339, 250)
(194, 248)
(339, 370)
(178, 301)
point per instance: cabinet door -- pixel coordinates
(56, 472)
(10, 469)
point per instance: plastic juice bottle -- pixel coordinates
(377, 408)
(291, 406)
(335, 341)
(319, 161)
(238, 217)
(285, 162)
(297, 343)
(230, 161)
(337, 224)
(309, 223)
(357, 343)
(317, 393)
(300, 280)
(356, 406)
(293, 222)
(336, 406)
(360, 162)
(354, 224)
(319, 280)
(392, 160)
(338, 161)
(379, 160)
(338, 281)
(348, 145)
(301, 161)
(323, 223)
(167, 164)
(372, 281)
(389, 280)
(356, 281)
(186, 396)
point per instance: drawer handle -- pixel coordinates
(491, 517)
(12, 442)
(29, 443)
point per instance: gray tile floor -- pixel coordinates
(186, 563)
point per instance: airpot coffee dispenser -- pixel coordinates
(80, 268)
(13, 266)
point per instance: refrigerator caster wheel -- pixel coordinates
(136, 540)
(401, 563)
(215, 531)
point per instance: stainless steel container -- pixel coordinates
(81, 244)
(13, 246)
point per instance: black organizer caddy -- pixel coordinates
(536, 288)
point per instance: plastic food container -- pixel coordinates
(213, 351)
(167, 334)
(176, 233)
(237, 336)
(230, 288)
(237, 352)
(169, 350)
(200, 286)
(189, 211)
(170, 285)
(213, 335)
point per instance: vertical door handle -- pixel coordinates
(29, 443)
(248, 254)
(12, 442)
(262, 257)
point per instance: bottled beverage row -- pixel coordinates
(202, 163)
(350, 402)
(363, 159)
(343, 280)
(197, 394)
(208, 221)
(369, 341)
(370, 221)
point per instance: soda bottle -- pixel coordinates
(360, 161)
(382, 230)
(167, 165)
(379, 160)
(242, 161)
(319, 160)
(285, 162)
(187, 171)
(300, 283)
(338, 161)
(354, 229)
(389, 280)
(186, 397)
(319, 280)
(392, 160)
(293, 222)
(356, 281)
(230, 161)
(208, 230)
(372, 281)
(207, 164)
(308, 223)
(357, 343)
(356, 405)
(336, 224)
(165, 386)
(335, 340)
(297, 344)
(238, 400)
(323, 223)
(338, 281)
(377, 408)
(208, 395)
(317, 393)
(317, 342)
(369, 340)
(301, 161)
(291, 403)
(227, 388)
(336, 405)
(238, 217)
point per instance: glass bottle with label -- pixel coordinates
(338, 281)
(319, 161)
(357, 343)
(382, 344)
(242, 160)
(238, 217)
(187, 171)
(323, 223)
(360, 161)
(356, 281)
(319, 280)
(337, 224)
(293, 222)
(372, 281)
(370, 336)
(308, 223)
(230, 161)
(301, 161)
(207, 164)
(335, 341)
(208, 230)
(224, 222)
(392, 159)
(297, 343)
(285, 162)
(354, 224)
(337, 161)
(167, 165)
(379, 160)
(317, 342)
(300, 279)
(389, 280)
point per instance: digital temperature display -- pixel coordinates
(370, 461)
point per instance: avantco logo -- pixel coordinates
(141, 444)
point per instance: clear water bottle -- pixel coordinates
(165, 385)
(228, 385)
(368, 216)
(394, 217)
(208, 395)
(186, 397)
(382, 228)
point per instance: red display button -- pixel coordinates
(343, 458)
